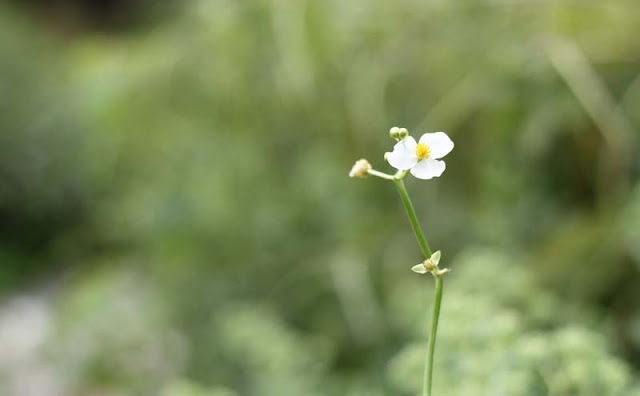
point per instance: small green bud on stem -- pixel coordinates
(398, 134)
(394, 133)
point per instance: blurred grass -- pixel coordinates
(176, 199)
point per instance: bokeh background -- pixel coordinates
(176, 217)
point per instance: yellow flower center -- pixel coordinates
(422, 151)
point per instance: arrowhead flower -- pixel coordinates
(421, 158)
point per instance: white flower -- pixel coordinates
(422, 157)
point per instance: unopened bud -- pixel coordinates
(402, 133)
(360, 169)
(394, 133)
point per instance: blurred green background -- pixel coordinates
(176, 217)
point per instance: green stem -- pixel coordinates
(428, 368)
(422, 241)
(374, 172)
(411, 213)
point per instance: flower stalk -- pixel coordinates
(422, 160)
(413, 218)
(431, 348)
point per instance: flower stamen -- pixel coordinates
(422, 151)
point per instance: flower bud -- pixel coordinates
(402, 133)
(394, 133)
(360, 169)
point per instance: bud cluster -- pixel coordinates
(398, 134)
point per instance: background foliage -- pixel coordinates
(176, 218)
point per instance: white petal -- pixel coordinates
(439, 144)
(403, 156)
(428, 169)
(419, 268)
